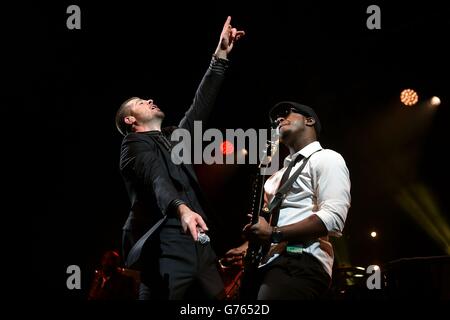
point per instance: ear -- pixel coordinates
(310, 121)
(129, 120)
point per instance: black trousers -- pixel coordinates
(177, 268)
(299, 277)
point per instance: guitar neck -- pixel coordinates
(258, 183)
(257, 198)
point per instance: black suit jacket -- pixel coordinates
(152, 180)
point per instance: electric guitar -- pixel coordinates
(256, 251)
(237, 278)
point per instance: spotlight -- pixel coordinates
(375, 267)
(409, 97)
(435, 101)
(227, 147)
(373, 234)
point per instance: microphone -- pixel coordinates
(203, 238)
(276, 123)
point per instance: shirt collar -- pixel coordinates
(305, 151)
(152, 132)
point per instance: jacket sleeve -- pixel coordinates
(205, 95)
(141, 156)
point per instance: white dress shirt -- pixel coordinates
(322, 188)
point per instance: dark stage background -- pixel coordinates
(315, 53)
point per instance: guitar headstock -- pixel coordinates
(271, 149)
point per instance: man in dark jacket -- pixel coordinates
(161, 234)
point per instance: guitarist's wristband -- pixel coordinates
(276, 236)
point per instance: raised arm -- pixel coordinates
(208, 89)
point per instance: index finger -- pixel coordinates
(227, 23)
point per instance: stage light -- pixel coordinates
(419, 201)
(227, 147)
(373, 234)
(244, 152)
(375, 267)
(409, 97)
(435, 101)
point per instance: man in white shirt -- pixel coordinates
(314, 208)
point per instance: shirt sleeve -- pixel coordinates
(333, 190)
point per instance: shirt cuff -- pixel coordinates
(219, 65)
(174, 204)
(328, 220)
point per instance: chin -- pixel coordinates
(284, 134)
(160, 114)
(286, 137)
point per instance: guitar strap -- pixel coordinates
(135, 252)
(274, 207)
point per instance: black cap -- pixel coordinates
(299, 108)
